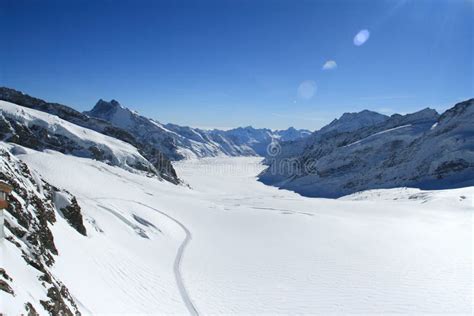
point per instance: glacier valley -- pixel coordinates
(226, 243)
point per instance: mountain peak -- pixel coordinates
(352, 121)
(103, 105)
(112, 111)
(361, 114)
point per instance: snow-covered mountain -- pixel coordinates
(367, 150)
(37, 134)
(179, 142)
(159, 142)
(40, 130)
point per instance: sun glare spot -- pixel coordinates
(361, 37)
(306, 89)
(329, 65)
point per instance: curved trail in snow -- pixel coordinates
(179, 255)
(177, 261)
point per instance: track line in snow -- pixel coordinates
(179, 255)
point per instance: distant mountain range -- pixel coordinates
(368, 150)
(180, 142)
(156, 144)
(358, 151)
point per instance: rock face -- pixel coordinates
(68, 207)
(161, 164)
(367, 150)
(179, 142)
(28, 220)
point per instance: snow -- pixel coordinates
(229, 244)
(183, 142)
(398, 151)
(123, 154)
(378, 134)
(349, 122)
(24, 277)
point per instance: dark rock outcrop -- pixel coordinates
(28, 218)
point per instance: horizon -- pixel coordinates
(264, 64)
(249, 126)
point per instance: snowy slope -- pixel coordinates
(40, 130)
(153, 155)
(29, 251)
(349, 122)
(421, 150)
(152, 247)
(125, 263)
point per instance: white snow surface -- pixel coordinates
(230, 244)
(122, 153)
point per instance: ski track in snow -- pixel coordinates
(179, 255)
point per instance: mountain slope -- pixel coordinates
(421, 150)
(179, 142)
(39, 130)
(159, 161)
(159, 142)
(29, 250)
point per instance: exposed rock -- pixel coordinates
(67, 204)
(28, 218)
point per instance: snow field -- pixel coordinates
(253, 248)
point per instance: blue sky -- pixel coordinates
(236, 63)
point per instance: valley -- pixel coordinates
(236, 158)
(226, 243)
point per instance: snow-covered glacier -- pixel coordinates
(228, 244)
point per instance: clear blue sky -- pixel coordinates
(234, 63)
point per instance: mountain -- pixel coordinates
(29, 252)
(161, 163)
(180, 142)
(157, 142)
(258, 139)
(349, 122)
(367, 150)
(39, 130)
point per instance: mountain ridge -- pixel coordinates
(423, 149)
(180, 142)
(155, 157)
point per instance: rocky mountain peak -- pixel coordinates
(103, 106)
(113, 112)
(352, 121)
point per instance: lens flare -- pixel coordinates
(329, 65)
(306, 89)
(361, 37)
